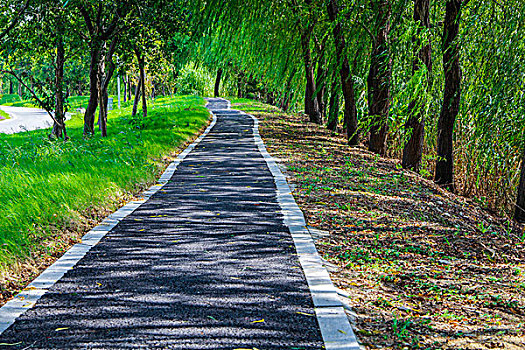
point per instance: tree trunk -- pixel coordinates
(379, 78)
(11, 88)
(137, 96)
(519, 213)
(347, 82)
(311, 107)
(20, 89)
(333, 108)
(105, 78)
(129, 88)
(102, 108)
(452, 95)
(287, 95)
(143, 83)
(333, 114)
(89, 116)
(217, 82)
(240, 85)
(321, 91)
(125, 78)
(415, 124)
(59, 126)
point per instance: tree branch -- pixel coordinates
(15, 20)
(87, 19)
(33, 94)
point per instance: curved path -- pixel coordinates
(24, 119)
(205, 263)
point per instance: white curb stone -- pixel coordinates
(335, 328)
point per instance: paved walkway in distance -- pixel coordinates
(205, 263)
(25, 119)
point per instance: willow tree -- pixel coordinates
(415, 125)
(347, 82)
(452, 94)
(379, 77)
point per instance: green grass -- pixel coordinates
(73, 102)
(4, 115)
(50, 187)
(7, 99)
(250, 105)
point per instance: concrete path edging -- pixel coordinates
(36, 289)
(335, 328)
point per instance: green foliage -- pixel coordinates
(6, 99)
(194, 81)
(50, 187)
(4, 115)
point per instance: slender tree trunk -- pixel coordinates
(333, 114)
(125, 87)
(347, 82)
(140, 58)
(102, 108)
(287, 95)
(334, 106)
(311, 107)
(320, 82)
(11, 88)
(129, 88)
(59, 125)
(519, 213)
(105, 78)
(321, 72)
(415, 124)
(137, 96)
(94, 84)
(452, 95)
(217, 82)
(240, 85)
(20, 89)
(379, 78)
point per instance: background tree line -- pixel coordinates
(54, 49)
(438, 84)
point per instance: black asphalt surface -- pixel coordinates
(206, 263)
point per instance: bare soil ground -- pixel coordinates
(425, 269)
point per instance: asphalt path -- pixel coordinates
(205, 263)
(25, 119)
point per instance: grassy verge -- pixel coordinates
(425, 269)
(52, 192)
(4, 115)
(73, 102)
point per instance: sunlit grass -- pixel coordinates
(4, 115)
(52, 186)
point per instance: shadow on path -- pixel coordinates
(206, 263)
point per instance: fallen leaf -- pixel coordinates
(259, 321)
(304, 313)
(61, 329)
